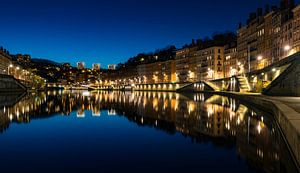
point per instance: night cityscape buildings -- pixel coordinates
(269, 35)
(230, 99)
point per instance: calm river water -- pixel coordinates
(80, 131)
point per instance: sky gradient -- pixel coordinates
(111, 31)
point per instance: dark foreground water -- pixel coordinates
(137, 132)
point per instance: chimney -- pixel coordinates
(259, 12)
(267, 9)
(274, 8)
(252, 16)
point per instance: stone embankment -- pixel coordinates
(10, 84)
(286, 111)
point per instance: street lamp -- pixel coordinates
(210, 73)
(259, 58)
(10, 66)
(287, 48)
(232, 71)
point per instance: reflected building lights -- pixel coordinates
(111, 112)
(80, 114)
(198, 114)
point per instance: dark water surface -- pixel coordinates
(61, 131)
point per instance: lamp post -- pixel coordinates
(210, 73)
(259, 58)
(286, 50)
(249, 60)
(10, 66)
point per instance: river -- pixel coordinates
(81, 131)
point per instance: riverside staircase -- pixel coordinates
(243, 83)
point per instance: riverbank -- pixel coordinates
(286, 111)
(8, 84)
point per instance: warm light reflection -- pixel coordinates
(214, 116)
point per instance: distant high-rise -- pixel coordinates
(112, 67)
(80, 65)
(96, 67)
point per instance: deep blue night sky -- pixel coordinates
(110, 31)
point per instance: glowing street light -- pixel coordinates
(10, 66)
(287, 48)
(259, 58)
(210, 73)
(232, 71)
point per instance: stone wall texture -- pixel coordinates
(10, 84)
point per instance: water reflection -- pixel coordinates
(222, 121)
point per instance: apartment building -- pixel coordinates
(187, 64)
(211, 63)
(5, 61)
(230, 62)
(157, 72)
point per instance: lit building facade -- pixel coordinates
(187, 64)
(96, 67)
(266, 38)
(296, 29)
(247, 40)
(286, 39)
(22, 58)
(194, 65)
(230, 63)
(158, 72)
(5, 62)
(80, 65)
(111, 67)
(210, 63)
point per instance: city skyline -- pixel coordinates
(110, 86)
(113, 33)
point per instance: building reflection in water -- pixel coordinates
(203, 118)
